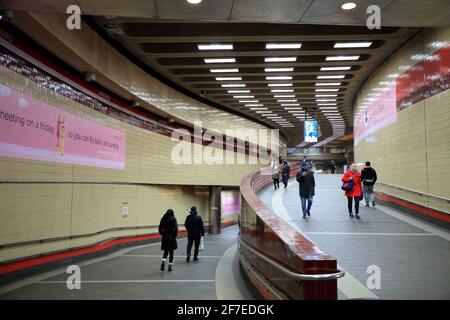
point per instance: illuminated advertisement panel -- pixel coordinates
(33, 129)
(311, 131)
(377, 113)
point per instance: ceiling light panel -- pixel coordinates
(215, 46)
(362, 44)
(224, 70)
(220, 60)
(278, 69)
(342, 58)
(346, 68)
(280, 59)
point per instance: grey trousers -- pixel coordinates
(368, 193)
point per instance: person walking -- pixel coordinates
(333, 167)
(355, 193)
(307, 184)
(196, 230)
(276, 175)
(168, 229)
(368, 177)
(286, 171)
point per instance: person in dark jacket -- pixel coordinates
(286, 170)
(168, 229)
(196, 230)
(368, 177)
(307, 184)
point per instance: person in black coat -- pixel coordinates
(307, 186)
(285, 171)
(168, 229)
(196, 230)
(368, 177)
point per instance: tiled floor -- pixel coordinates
(134, 273)
(414, 263)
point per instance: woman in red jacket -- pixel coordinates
(355, 193)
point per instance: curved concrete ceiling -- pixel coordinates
(311, 86)
(394, 13)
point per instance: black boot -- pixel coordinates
(188, 259)
(163, 264)
(170, 267)
(351, 215)
(357, 216)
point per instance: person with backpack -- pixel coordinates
(285, 174)
(353, 189)
(196, 230)
(168, 229)
(368, 177)
(306, 184)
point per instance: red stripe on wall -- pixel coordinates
(439, 215)
(36, 261)
(32, 262)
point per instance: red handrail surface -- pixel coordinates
(265, 232)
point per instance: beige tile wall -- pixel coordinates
(150, 184)
(414, 152)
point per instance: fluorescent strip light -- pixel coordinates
(278, 69)
(325, 100)
(283, 45)
(271, 117)
(248, 101)
(281, 90)
(284, 96)
(290, 104)
(254, 105)
(329, 84)
(342, 58)
(233, 85)
(243, 97)
(280, 84)
(326, 104)
(279, 78)
(220, 60)
(258, 108)
(327, 90)
(340, 76)
(335, 68)
(223, 70)
(238, 91)
(228, 78)
(296, 108)
(325, 95)
(339, 45)
(215, 46)
(280, 59)
(267, 115)
(265, 112)
(288, 100)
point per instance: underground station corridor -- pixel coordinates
(195, 151)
